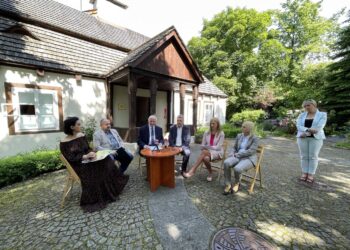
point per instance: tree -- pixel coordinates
(304, 33)
(226, 52)
(337, 90)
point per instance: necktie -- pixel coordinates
(152, 134)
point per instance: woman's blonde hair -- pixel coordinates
(217, 121)
(249, 125)
(309, 101)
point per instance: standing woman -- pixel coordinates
(211, 148)
(310, 138)
(101, 181)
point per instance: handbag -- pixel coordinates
(123, 157)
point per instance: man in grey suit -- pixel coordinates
(179, 136)
(108, 138)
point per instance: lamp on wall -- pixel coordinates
(40, 72)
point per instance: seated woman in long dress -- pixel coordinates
(101, 181)
(211, 148)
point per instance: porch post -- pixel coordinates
(195, 106)
(182, 98)
(153, 92)
(132, 88)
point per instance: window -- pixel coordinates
(208, 112)
(34, 108)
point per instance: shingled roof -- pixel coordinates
(64, 19)
(207, 87)
(48, 49)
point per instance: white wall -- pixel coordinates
(121, 106)
(219, 106)
(87, 99)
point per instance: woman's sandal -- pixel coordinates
(303, 178)
(310, 180)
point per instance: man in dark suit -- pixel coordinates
(150, 134)
(180, 136)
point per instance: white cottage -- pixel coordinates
(56, 61)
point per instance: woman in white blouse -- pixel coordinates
(211, 148)
(242, 158)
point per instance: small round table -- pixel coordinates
(160, 166)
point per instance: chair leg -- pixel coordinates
(221, 169)
(140, 167)
(253, 182)
(67, 189)
(260, 177)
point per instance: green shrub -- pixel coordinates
(89, 128)
(230, 130)
(268, 126)
(248, 115)
(343, 144)
(27, 165)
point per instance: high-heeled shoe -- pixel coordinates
(227, 190)
(188, 174)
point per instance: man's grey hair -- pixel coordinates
(104, 120)
(152, 116)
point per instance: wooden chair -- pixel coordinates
(257, 170)
(72, 177)
(218, 165)
(142, 162)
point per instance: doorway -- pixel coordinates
(142, 110)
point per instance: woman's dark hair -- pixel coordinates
(70, 121)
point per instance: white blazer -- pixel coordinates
(318, 123)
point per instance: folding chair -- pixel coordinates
(219, 163)
(257, 169)
(72, 177)
(142, 162)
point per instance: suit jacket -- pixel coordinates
(318, 123)
(185, 137)
(102, 142)
(143, 138)
(218, 141)
(250, 150)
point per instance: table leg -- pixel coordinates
(167, 172)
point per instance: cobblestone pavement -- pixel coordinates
(285, 213)
(31, 217)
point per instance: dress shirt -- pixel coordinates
(114, 142)
(179, 137)
(243, 145)
(152, 135)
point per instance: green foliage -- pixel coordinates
(89, 128)
(260, 59)
(230, 130)
(337, 91)
(343, 144)
(248, 115)
(27, 165)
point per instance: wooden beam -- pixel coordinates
(132, 89)
(195, 107)
(182, 97)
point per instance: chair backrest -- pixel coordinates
(69, 168)
(260, 151)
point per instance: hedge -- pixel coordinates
(23, 166)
